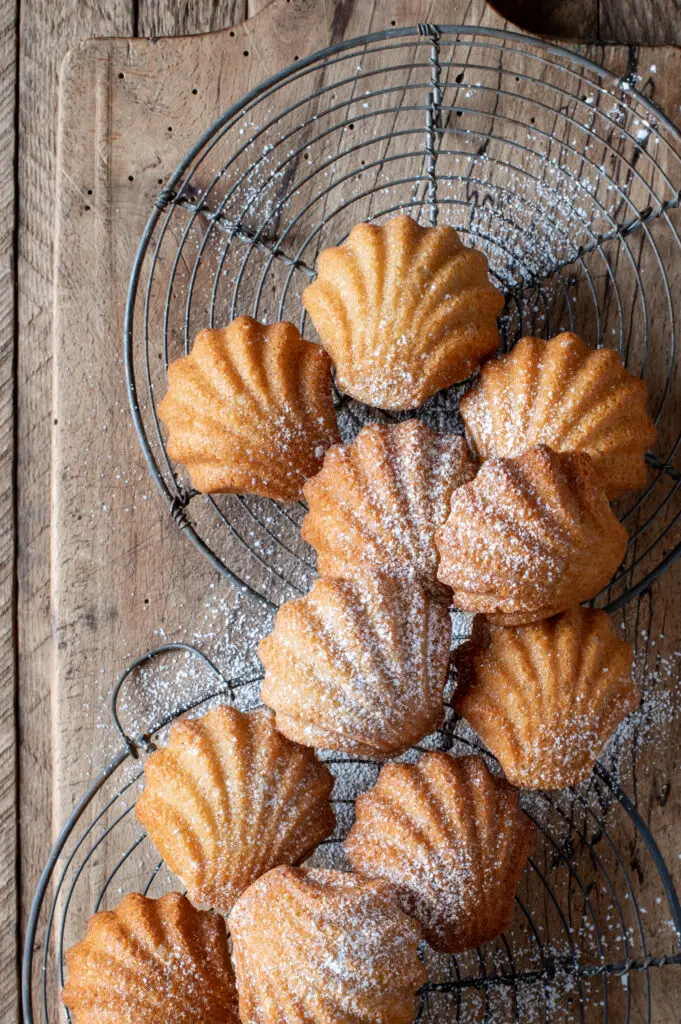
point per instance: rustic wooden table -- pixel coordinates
(34, 36)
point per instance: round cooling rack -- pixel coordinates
(567, 177)
(579, 947)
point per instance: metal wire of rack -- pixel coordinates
(568, 177)
(577, 949)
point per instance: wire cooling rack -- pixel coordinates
(566, 176)
(578, 948)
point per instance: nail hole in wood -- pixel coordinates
(245, 53)
(86, 207)
(131, 177)
(459, 78)
(89, 191)
(195, 92)
(121, 75)
(232, 34)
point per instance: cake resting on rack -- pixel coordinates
(529, 537)
(150, 961)
(403, 311)
(315, 945)
(563, 394)
(376, 503)
(359, 665)
(250, 410)
(545, 698)
(228, 798)
(452, 840)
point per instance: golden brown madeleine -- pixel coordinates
(529, 537)
(568, 396)
(453, 840)
(403, 311)
(324, 947)
(358, 665)
(250, 410)
(545, 698)
(228, 798)
(377, 502)
(152, 961)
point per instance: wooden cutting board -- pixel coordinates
(123, 577)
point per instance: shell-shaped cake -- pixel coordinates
(228, 798)
(453, 841)
(358, 665)
(324, 947)
(250, 410)
(568, 396)
(530, 537)
(545, 698)
(152, 961)
(377, 502)
(403, 311)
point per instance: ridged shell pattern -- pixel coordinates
(250, 410)
(377, 502)
(228, 798)
(568, 396)
(358, 666)
(546, 698)
(324, 947)
(152, 961)
(529, 537)
(403, 311)
(453, 841)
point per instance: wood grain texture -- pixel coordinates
(189, 17)
(654, 22)
(9, 1005)
(47, 31)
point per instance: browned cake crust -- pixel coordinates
(228, 798)
(358, 666)
(568, 396)
(530, 537)
(377, 502)
(545, 698)
(452, 839)
(250, 410)
(314, 946)
(152, 962)
(403, 311)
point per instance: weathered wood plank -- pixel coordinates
(9, 1007)
(47, 31)
(654, 22)
(176, 18)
